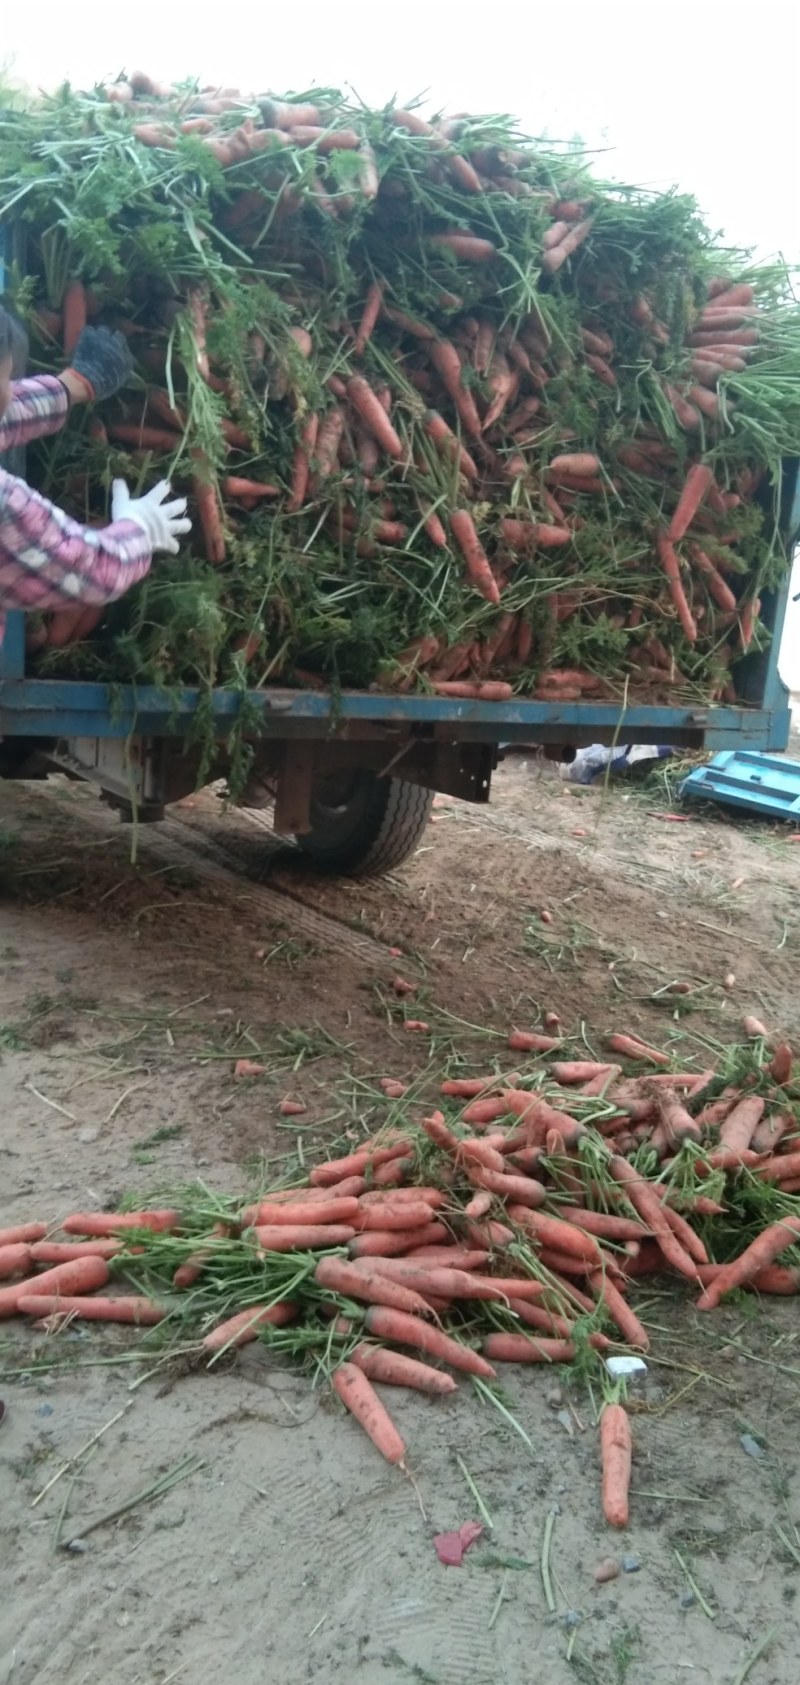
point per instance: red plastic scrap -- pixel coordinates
(450, 1547)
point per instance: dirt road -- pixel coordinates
(291, 1553)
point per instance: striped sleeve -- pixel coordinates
(38, 406)
(49, 561)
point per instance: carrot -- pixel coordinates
(675, 1123)
(75, 313)
(405, 1330)
(359, 1396)
(605, 1224)
(632, 1048)
(776, 1278)
(523, 1348)
(740, 293)
(523, 1190)
(399, 1196)
(557, 1234)
(736, 1133)
(22, 1232)
(529, 1041)
(443, 436)
(329, 438)
(237, 1330)
(374, 416)
(781, 1167)
(392, 1173)
(479, 572)
(546, 1322)
(143, 437)
(102, 1223)
(615, 1455)
(397, 1370)
(488, 1233)
(479, 1206)
(387, 1243)
(669, 562)
(277, 1237)
(647, 1203)
(354, 1164)
(358, 1281)
(304, 450)
(445, 358)
(142, 1312)
(369, 316)
(481, 1112)
(437, 1280)
(695, 488)
(401, 1215)
(249, 488)
(575, 462)
(525, 535)
(620, 1312)
(601, 344)
(208, 509)
(685, 1234)
(316, 1212)
(14, 1260)
(780, 1066)
(770, 1131)
(469, 247)
(503, 384)
(80, 1275)
(757, 1256)
(469, 1088)
(63, 1251)
(568, 1071)
(553, 258)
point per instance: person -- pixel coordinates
(48, 561)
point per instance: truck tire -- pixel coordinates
(363, 825)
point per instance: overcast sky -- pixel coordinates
(703, 95)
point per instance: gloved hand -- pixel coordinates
(161, 521)
(102, 361)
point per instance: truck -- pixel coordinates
(353, 776)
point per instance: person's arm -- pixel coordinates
(49, 561)
(39, 406)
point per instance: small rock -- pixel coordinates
(78, 1547)
(751, 1445)
(569, 1619)
(606, 1570)
(631, 1565)
(85, 1136)
(729, 981)
(44, 1409)
(565, 1421)
(554, 1397)
(687, 1599)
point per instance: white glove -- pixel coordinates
(161, 521)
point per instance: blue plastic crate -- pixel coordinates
(764, 784)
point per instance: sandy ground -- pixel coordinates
(292, 1554)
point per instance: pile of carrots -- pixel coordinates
(452, 413)
(508, 1227)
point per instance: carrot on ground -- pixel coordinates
(387, 1243)
(357, 1281)
(558, 1235)
(63, 1251)
(525, 1348)
(406, 1330)
(140, 1311)
(274, 1237)
(397, 1370)
(100, 1223)
(237, 1330)
(631, 1329)
(632, 1048)
(369, 316)
(23, 1232)
(14, 1260)
(615, 1453)
(359, 1396)
(81, 1275)
(312, 1211)
(756, 1257)
(646, 1201)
